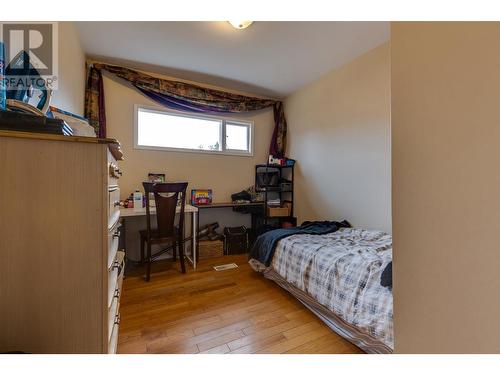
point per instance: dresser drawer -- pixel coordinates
(112, 283)
(112, 315)
(114, 206)
(115, 272)
(114, 173)
(113, 241)
(113, 341)
(114, 309)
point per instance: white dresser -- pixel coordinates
(116, 257)
(61, 270)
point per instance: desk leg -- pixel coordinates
(194, 239)
(194, 244)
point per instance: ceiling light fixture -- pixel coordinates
(240, 25)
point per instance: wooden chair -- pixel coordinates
(166, 196)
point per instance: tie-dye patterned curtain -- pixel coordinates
(180, 96)
(94, 102)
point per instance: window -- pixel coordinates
(163, 130)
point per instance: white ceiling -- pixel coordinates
(269, 58)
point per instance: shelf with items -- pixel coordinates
(275, 190)
(273, 166)
(283, 210)
(275, 183)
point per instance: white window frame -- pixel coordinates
(224, 121)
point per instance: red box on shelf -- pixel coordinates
(201, 196)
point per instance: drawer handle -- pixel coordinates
(114, 171)
(116, 234)
(112, 168)
(117, 293)
(117, 319)
(117, 264)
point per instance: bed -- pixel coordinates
(337, 276)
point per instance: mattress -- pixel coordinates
(337, 276)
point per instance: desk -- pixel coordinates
(230, 205)
(131, 212)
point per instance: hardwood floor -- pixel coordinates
(205, 311)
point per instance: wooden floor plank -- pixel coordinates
(205, 311)
(224, 339)
(259, 344)
(323, 345)
(253, 335)
(290, 344)
(221, 349)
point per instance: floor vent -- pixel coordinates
(224, 267)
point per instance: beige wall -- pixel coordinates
(340, 136)
(446, 184)
(71, 86)
(224, 174)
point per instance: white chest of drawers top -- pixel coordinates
(61, 282)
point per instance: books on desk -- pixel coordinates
(201, 196)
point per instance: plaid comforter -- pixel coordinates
(341, 271)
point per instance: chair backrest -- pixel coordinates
(166, 196)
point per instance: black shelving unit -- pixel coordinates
(285, 172)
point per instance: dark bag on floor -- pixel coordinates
(235, 240)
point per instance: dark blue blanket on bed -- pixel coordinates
(265, 244)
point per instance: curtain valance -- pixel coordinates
(179, 96)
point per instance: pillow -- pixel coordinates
(386, 277)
